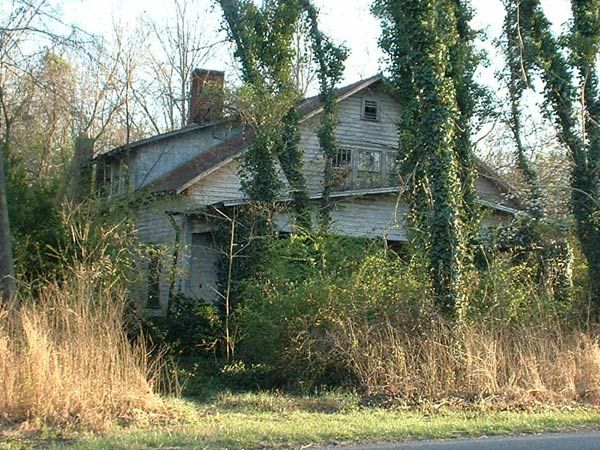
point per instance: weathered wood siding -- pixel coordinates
(223, 184)
(373, 216)
(380, 216)
(157, 231)
(352, 133)
(202, 283)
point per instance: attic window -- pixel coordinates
(370, 110)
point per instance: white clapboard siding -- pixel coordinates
(225, 184)
(375, 216)
(221, 185)
(351, 132)
(487, 190)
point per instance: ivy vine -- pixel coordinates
(561, 75)
(429, 46)
(263, 37)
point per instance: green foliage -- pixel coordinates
(36, 224)
(545, 52)
(511, 293)
(543, 247)
(263, 37)
(430, 53)
(304, 287)
(330, 62)
(193, 328)
(306, 291)
(519, 70)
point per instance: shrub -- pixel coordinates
(326, 310)
(193, 328)
(305, 286)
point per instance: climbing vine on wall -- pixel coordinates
(330, 62)
(263, 38)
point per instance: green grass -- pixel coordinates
(262, 420)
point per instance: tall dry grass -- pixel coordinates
(65, 356)
(519, 364)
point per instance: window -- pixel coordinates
(392, 166)
(343, 158)
(370, 110)
(154, 269)
(369, 163)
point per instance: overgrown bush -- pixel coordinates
(193, 328)
(36, 224)
(330, 310)
(304, 285)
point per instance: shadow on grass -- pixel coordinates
(210, 383)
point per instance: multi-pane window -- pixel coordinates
(342, 158)
(369, 162)
(363, 168)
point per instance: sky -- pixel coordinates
(347, 21)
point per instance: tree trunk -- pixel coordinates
(81, 184)
(8, 286)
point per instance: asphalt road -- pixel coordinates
(551, 441)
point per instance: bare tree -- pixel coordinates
(21, 21)
(176, 47)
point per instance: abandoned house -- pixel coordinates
(195, 168)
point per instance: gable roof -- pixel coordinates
(179, 179)
(184, 176)
(207, 162)
(191, 128)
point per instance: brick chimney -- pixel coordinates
(206, 96)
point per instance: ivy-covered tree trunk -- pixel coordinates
(291, 161)
(421, 40)
(464, 61)
(263, 38)
(543, 50)
(330, 62)
(519, 70)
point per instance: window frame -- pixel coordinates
(377, 104)
(386, 171)
(347, 152)
(356, 166)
